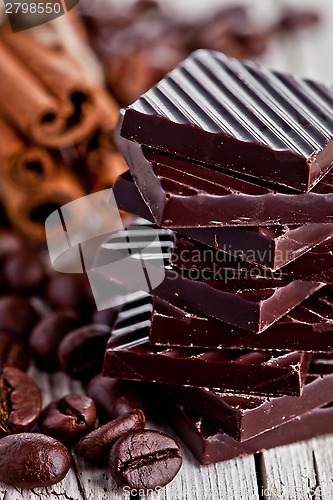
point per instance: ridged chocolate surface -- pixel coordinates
(224, 98)
(130, 356)
(259, 303)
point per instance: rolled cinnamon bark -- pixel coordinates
(104, 163)
(104, 166)
(21, 164)
(44, 92)
(27, 206)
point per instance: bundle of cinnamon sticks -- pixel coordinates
(56, 130)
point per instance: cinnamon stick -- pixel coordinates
(44, 93)
(22, 165)
(33, 184)
(104, 167)
(104, 163)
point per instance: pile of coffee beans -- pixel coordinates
(51, 319)
(139, 43)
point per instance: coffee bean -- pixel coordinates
(71, 291)
(293, 20)
(10, 244)
(32, 460)
(68, 419)
(145, 460)
(20, 401)
(13, 353)
(47, 335)
(17, 315)
(25, 273)
(95, 446)
(106, 316)
(81, 352)
(114, 398)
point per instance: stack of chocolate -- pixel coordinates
(230, 165)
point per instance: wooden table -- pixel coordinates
(299, 472)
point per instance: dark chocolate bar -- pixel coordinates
(258, 305)
(244, 416)
(201, 262)
(129, 356)
(272, 247)
(308, 327)
(241, 116)
(180, 193)
(209, 445)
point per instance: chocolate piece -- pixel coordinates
(181, 193)
(271, 247)
(308, 327)
(201, 262)
(243, 416)
(129, 356)
(209, 445)
(238, 115)
(259, 305)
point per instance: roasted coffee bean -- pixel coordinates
(293, 20)
(20, 401)
(106, 316)
(17, 315)
(68, 419)
(81, 352)
(13, 352)
(10, 244)
(32, 460)
(47, 335)
(145, 460)
(114, 398)
(25, 273)
(71, 291)
(95, 446)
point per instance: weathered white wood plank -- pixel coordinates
(234, 479)
(288, 473)
(323, 465)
